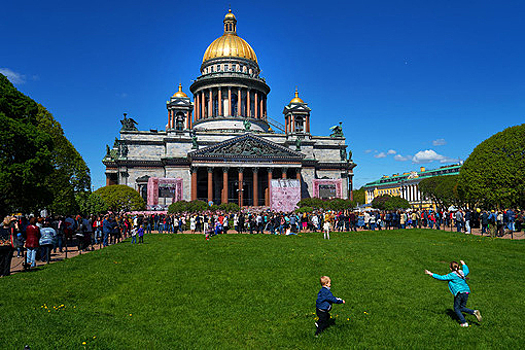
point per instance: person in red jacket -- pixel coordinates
(32, 238)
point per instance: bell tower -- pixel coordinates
(179, 111)
(297, 116)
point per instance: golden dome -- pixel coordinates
(296, 99)
(229, 44)
(180, 93)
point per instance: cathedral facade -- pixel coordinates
(221, 147)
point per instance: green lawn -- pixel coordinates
(258, 291)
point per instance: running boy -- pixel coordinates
(323, 304)
(459, 288)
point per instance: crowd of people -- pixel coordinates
(38, 238)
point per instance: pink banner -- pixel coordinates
(338, 183)
(170, 183)
(284, 194)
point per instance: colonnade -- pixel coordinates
(242, 177)
(172, 119)
(229, 102)
(411, 193)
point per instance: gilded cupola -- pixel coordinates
(229, 44)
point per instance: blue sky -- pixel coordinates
(416, 83)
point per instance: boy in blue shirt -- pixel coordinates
(458, 286)
(323, 304)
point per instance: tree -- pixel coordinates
(121, 198)
(91, 203)
(387, 202)
(71, 175)
(359, 196)
(39, 167)
(494, 173)
(442, 190)
(25, 153)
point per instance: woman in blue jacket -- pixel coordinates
(458, 286)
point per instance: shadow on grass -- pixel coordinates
(452, 314)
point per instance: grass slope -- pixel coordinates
(239, 291)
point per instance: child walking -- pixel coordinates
(133, 235)
(327, 225)
(323, 304)
(140, 232)
(459, 288)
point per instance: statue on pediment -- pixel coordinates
(337, 130)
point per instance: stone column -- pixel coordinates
(261, 113)
(298, 174)
(267, 196)
(255, 104)
(224, 185)
(197, 107)
(210, 104)
(248, 104)
(239, 188)
(239, 103)
(203, 102)
(308, 124)
(189, 123)
(256, 187)
(229, 114)
(292, 123)
(219, 99)
(284, 173)
(193, 183)
(210, 184)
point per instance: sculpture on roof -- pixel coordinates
(337, 130)
(128, 124)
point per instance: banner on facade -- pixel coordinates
(163, 187)
(284, 194)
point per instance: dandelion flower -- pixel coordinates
(94, 337)
(83, 343)
(131, 314)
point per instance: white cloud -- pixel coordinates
(14, 77)
(368, 151)
(380, 155)
(400, 158)
(439, 142)
(428, 156)
(391, 151)
(122, 95)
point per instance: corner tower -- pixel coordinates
(229, 89)
(297, 116)
(179, 111)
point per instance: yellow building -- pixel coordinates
(406, 185)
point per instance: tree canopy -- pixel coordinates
(494, 173)
(121, 198)
(359, 196)
(387, 202)
(442, 190)
(39, 167)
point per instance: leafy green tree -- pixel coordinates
(494, 173)
(387, 202)
(121, 198)
(36, 160)
(442, 190)
(359, 196)
(71, 175)
(91, 203)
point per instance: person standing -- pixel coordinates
(32, 238)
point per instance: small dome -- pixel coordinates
(230, 16)
(296, 99)
(180, 93)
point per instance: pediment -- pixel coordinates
(247, 146)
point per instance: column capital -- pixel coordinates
(194, 169)
(255, 170)
(225, 169)
(241, 170)
(210, 169)
(270, 170)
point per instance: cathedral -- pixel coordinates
(222, 147)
